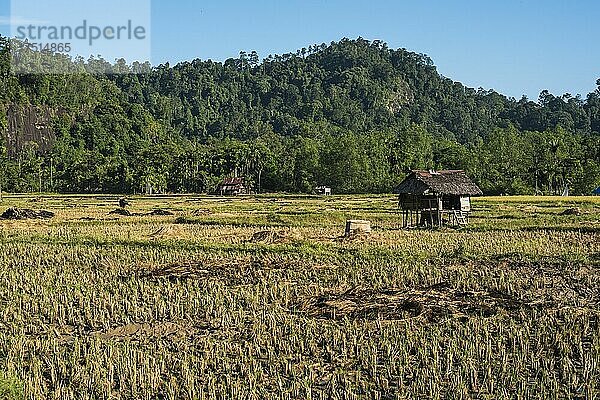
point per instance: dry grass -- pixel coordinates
(262, 298)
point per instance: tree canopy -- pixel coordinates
(354, 115)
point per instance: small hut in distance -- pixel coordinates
(432, 198)
(323, 191)
(233, 187)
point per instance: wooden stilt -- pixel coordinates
(430, 213)
(440, 206)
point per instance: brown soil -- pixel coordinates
(543, 284)
(121, 211)
(201, 212)
(146, 331)
(159, 212)
(273, 237)
(355, 236)
(140, 332)
(24, 213)
(433, 303)
(230, 273)
(165, 232)
(127, 213)
(572, 211)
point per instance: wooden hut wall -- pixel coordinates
(465, 203)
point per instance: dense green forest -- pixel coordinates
(354, 115)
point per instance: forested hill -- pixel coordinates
(354, 115)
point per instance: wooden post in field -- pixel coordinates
(354, 226)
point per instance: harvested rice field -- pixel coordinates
(191, 297)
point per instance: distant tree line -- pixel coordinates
(354, 115)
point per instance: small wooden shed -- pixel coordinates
(435, 198)
(232, 187)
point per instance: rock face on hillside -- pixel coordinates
(28, 124)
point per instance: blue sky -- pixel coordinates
(514, 46)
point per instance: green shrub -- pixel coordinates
(10, 388)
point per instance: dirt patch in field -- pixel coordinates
(147, 331)
(140, 332)
(185, 221)
(154, 213)
(166, 232)
(433, 303)
(14, 213)
(505, 216)
(121, 211)
(230, 273)
(354, 237)
(274, 237)
(160, 212)
(571, 211)
(201, 212)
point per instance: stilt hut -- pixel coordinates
(435, 198)
(232, 187)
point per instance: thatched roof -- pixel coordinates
(232, 181)
(454, 182)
